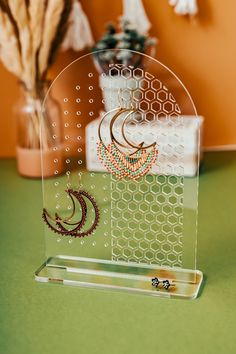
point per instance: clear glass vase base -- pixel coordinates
(136, 278)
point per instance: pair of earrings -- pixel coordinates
(65, 226)
(164, 283)
(125, 159)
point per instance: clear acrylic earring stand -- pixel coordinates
(148, 226)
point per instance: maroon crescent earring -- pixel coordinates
(65, 226)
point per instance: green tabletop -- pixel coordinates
(39, 318)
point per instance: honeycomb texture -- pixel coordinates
(147, 214)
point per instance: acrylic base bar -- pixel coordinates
(136, 278)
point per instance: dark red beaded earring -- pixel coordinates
(64, 226)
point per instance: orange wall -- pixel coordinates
(201, 52)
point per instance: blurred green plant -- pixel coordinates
(126, 37)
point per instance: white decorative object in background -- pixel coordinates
(189, 130)
(184, 7)
(111, 86)
(79, 34)
(134, 12)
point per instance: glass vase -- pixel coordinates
(30, 124)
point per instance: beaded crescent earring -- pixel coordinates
(67, 227)
(129, 159)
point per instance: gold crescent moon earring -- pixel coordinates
(134, 164)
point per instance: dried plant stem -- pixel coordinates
(20, 15)
(33, 136)
(31, 31)
(36, 16)
(52, 18)
(46, 137)
(9, 50)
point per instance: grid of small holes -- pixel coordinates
(77, 177)
(147, 215)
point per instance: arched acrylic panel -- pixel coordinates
(120, 209)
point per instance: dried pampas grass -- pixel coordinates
(61, 31)
(9, 49)
(31, 32)
(36, 15)
(20, 15)
(52, 19)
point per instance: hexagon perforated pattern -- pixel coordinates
(147, 214)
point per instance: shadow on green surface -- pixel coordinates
(218, 160)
